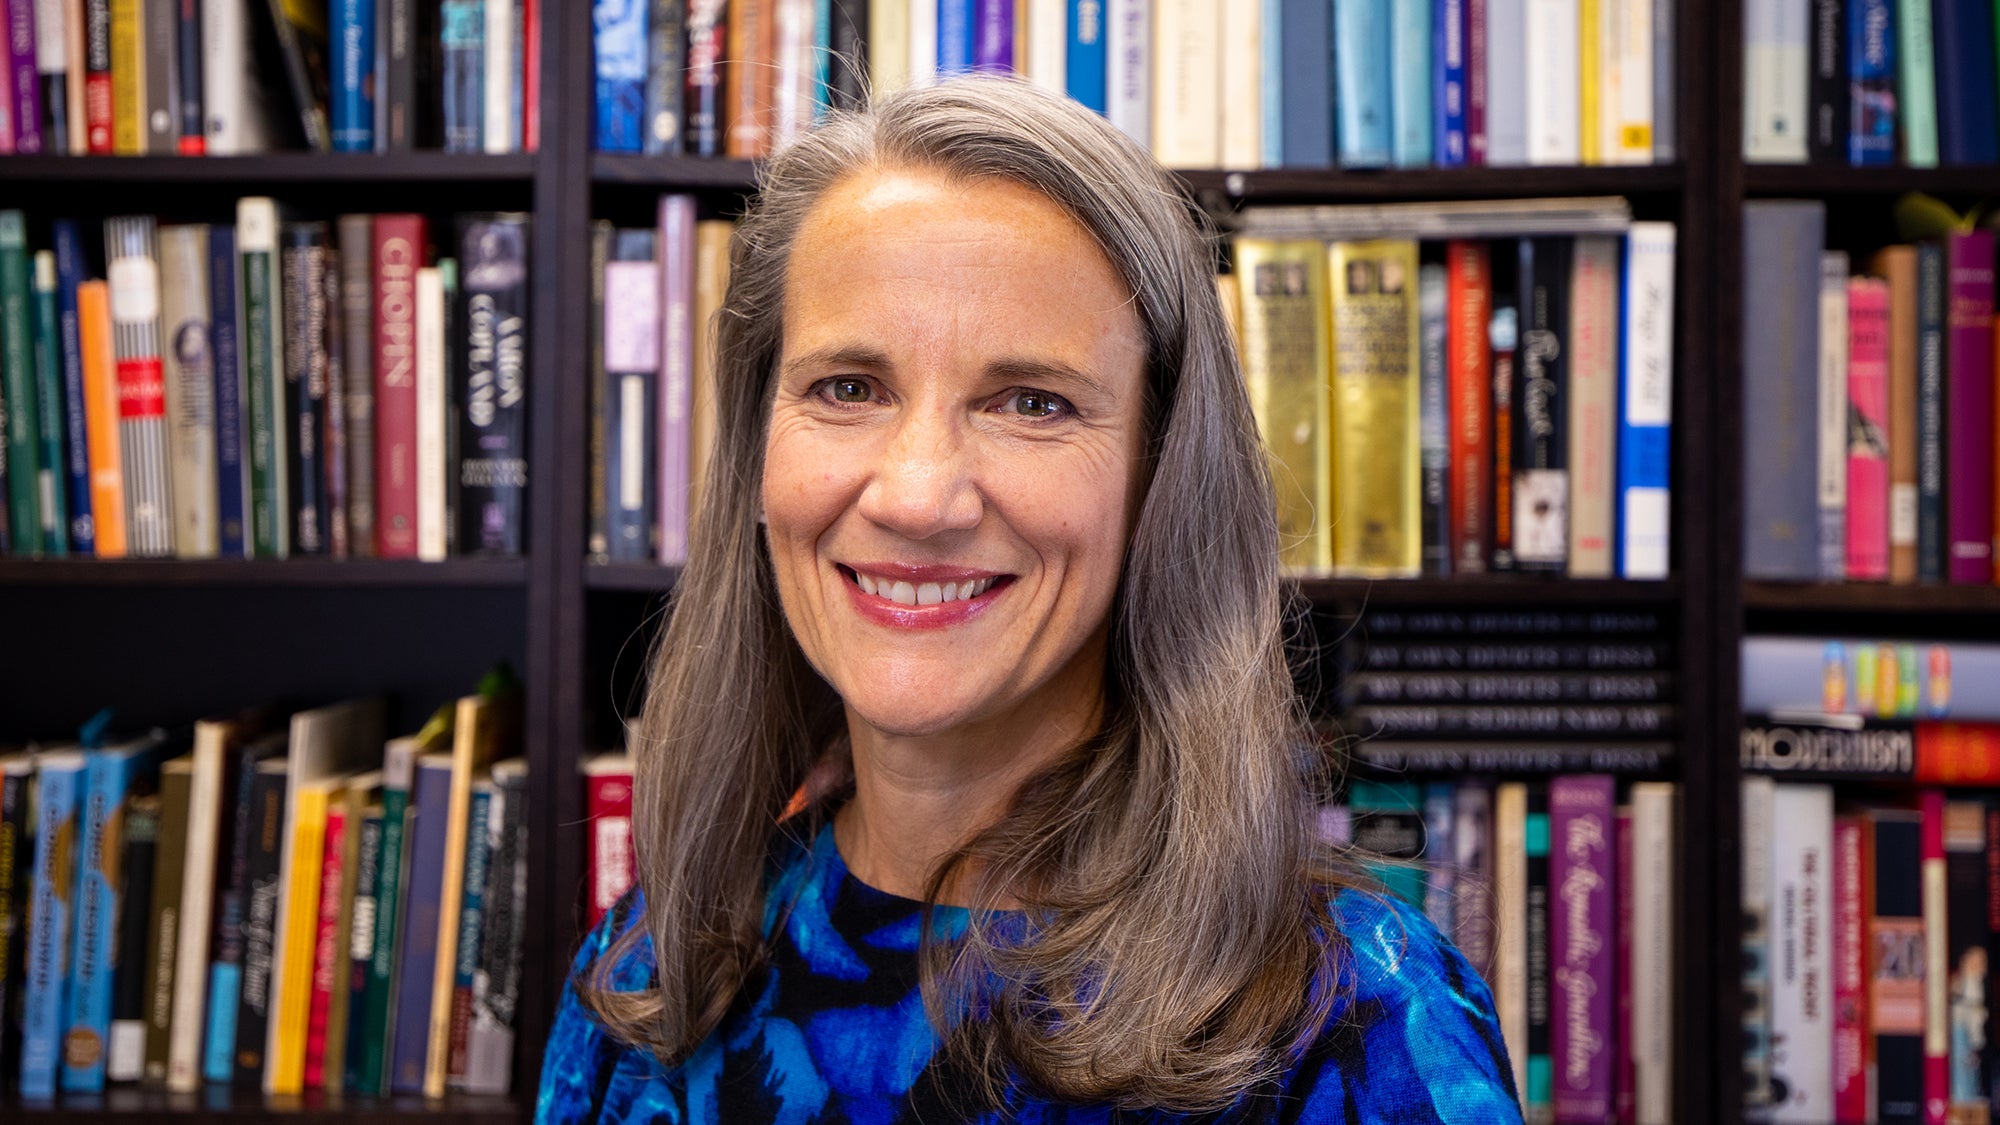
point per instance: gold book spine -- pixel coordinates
(1377, 504)
(128, 80)
(1286, 348)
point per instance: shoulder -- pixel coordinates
(582, 1064)
(1413, 1035)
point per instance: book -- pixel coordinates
(1882, 677)
(707, 36)
(1834, 349)
(159, 38)
(1965, 130)
(1755, 812)
(1827, 91)
(666, 53)
(1802, 918)
(1654, 974)
(1896, 963)
(674, 390)
(1542, 374)
(1866, 427)
(1411, 66)
(1473, 860)
(1510, 893)
(1286, 343)
(1969, 401)
(51, 503)
(471, 931)
(1592, 404)
(1186, 68)
(747, 101)
(262, 334)
(326, 933)
(711, 279)
(125, 1047)
(302, 46)
(369, 1070)
(360, 949)
(17, 867)
(1377, 506)
(1775, 50)
(1503, 336)
(62, 787)
(608, 811)
(1969, 939)
(1511, 624)
(1522, 756)
(356, 234)
(359, 800)
(461, 72)
(1554, 66)
(1128, 76)
(132, 267)
(597, 542)
(491, 359)
(262, 890)
(1898, 266)
(1915, 68)
(334, 436)
(490, 1039)
(1469, 378)
(397, 120)
(1538, 1094)
(1388, 828)
(1362, 94)
(302, 275)
(1358, 688)
(1539, 655)
(351, 117)
(1931, 513)
(499, 118)
(631, 350)
(1781, 271)
(246, 814)
(398, 252)
(482, 726)
(1611, 720)
(126, 61)
(229, 396)
(1434, 450)
(70, 275)
(1448, 94)
(17, 382)
(620, 44)
(1850, 978)
(168, 874)
(212, 788)
(190, 390)
(1584, 890)
(1645, 404)
(1871, 72)
(417, 957)
(433, 418)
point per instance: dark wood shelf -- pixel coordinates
(1869, 598)
(1835, 179)
(149, 1104)
(1498, 591)
(634, 577)
(697, 172)
(303, 573)
(271, 168)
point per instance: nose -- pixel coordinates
(922, 483)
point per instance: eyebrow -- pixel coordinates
(1011, 368)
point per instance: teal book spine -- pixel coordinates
(471, 927)
(1388, 821)
(1412, 80)
(17, 383)
(372, 1072)
(1539, 1095)
(1916, 80)
(1361, 80)
(50, 480)
(61, 785)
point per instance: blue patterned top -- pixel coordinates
(834, 1029)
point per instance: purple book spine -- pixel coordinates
(993, 35)
(419, 950)
(1968, 392)
(24, 87)
(677, 330)
(1583, 874)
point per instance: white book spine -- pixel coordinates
(1510, 890)
(1048, 43)
(1629, 117)
(888, 46)
(1647, 401)
(923, 42)
(1801, 952)
(1242, 85)
(1775, 63)
(1833, 347)
(1506, 83)
(51, 41)
(224, 62)
(496, 131)
(186, 1029)
(1654, 924)
(132, 267)
(433, 416)
(190, 389)
(1128, 67)
(1187, 84)
(1554, 78)
(792, 91)
(1758, 794)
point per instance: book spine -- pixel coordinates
(17, 872)
(160, 41)
(1477, 66)
(255, 988)
(1377, 500)
(167, 921)
(1968, 937)
(127, 76)
(1285, 345)
(398, 253)
(1593, 404)
(1776, 58)
(1448, 98)
(1645, 404)
(1653, 934)
(707, 40)
(597, 545)
(132, 267)
(1554, 82)
(191, 123)
(1441, 878)
(226, 969)
(1628, 118)
(490, 1042)
(1759, 794)
(748, 112)
(295, 933)
(87, 1018)
(326, 959)
(1542, 376)
(1964, 46)
(1128, 80)
(1584, 892)
(1358, 688)
(1472, 858)
(1242, 85)
(1596, 85)
(1930, 425)
(228, 395)
(462, 71)
(499, 130)
(419, 953)
(357, 321)
(378, 1032)
(70, 45)
(1512, 755)
(1958, 753)
(1850, 980)
(1871, 75)
(471, 922)
(1916, 74)
(954, 36)
(433, 416)
(1392, 720)
(128, 1051)
(1807, 750)
(76, 429)
(850, 59)
(396, 76)
(1468, 310)
(17, 363)
(632, 355)
(51, 924)
(1503, 338)
(1361, 75)
(190, 390)
(37, 34)
(262, 333)
(1969, 399)
(491, 358)
(302, 266)
(665, 83)
(1388, 828)
(100, 381)
(1802, 911)
(1538, 1095)
(609, 812)
(1272, 84)
(1834, 345)
(353, 109)
(1507, 83)
(1431, 655)
(1896, 966)
(1434, 428)
(359, 952)
(1510, 893)
(1937, 943)
(334, 457)
(1781, 271)
(24, 88)
(1411, 76)
(675, 310)
(1982, 1079)
(206, 840)
(993, 37)
(224, 68)
(100, 117)
(1513, 625)
(1829, 91)
(1867, 547)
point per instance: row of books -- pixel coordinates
(1871, 677)
(270, 388)
(1867, 940)
(1869, 431)
(1870, 82)
(1457, 389)
(293, 904)
(1560, 894)
(226, 77)
(1278, 83)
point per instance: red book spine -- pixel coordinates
(399, 252)
(1468, 308)
(327, 961)
(531, 75)
(1625, 1088)
(1850, 975)
(1937, 971)
(1958, 753)
(1868, 429)
(1968, 485)
(611, 862)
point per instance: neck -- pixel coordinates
(918, 798)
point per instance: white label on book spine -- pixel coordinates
(135, 289)
(631, 441)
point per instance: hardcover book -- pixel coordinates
(70, 275)
(631, 344)
(1286, 344)
(399, 246)
(263, 351)
(1896, 960)
(62, 789)
(1850, 977)
(1834, 346)
(1969, 945)
(1781, 271)
(132, 268)
(165, 927)
(242, 817)
(1867, 430)
(1377, 504)
(1871, 76)
(302, 269)
(490, 359)
(1361, 69)
(100, 384)
(190, 390)
(357, 323)
(1969, 442)
(1592, 404)
(1801, 980)
(1541, 494)
(229, 396)
(673, 454)
(1468, 309)
(1434, 435)
(1759, 795)
(1645, 403)
(490, 1039)
(1583, 887)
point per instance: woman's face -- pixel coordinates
(953, 462)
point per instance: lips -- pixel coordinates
(913, 595)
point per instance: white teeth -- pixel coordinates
(902, 593)
(929, 594)
(951, 591)
(866, 583)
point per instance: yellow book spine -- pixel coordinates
(888, 47)
(1590, 72)
(1287, 357)
(711, 281)
(128, 80)
(293, 1004)
(1377, 504)
(473, 743)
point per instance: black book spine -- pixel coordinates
(506, 906)
(161, 35)
(303, 250)
(17, 848)
(1930, 412)
(1536, 656)
(303, 48)
(260, 916)
(135, 918)
(1827, 141)
(1877, 751)
(850, 53)
(707, 36)
(1539, 1006)
(599, 546)
(1392, 720)
(232, 848)
(1541, 474)
(1897, 962)
(490, 345)
(55, 113)
(1363, 688)
(666, 82)
(193, 139)
(1501, 623)
(1399, 759)
(395, 77)
(1503, 338)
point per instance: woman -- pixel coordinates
(968, 775)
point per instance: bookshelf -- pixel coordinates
(168, 639)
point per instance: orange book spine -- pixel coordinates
(749, 78)
(1958, 753)
(100, 414)
(1468, 307)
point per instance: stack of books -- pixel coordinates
(289, 905)
(1205, 84)
(266, 389)
(1462, 388)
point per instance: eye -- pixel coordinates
(1034, 404)
(847, 390)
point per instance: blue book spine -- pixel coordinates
(1411, 78)
(1305, 40)
(419, 953)
(1967, 132)
(1361, 73)
(472, 903)
(462, 60)
(621, 73)
(1871, 72)
(1448, 34)
(60, 791)
(1645, 402)
(954, 24)
(223, 346)
(353, 108)
(1782, 241)
(1271, 106)
(70, 273)
(1086, 61)
(822, 58)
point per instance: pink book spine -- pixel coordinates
(611, 861)
(1475, 82)
(1850, 976)
(327, 961)
(1626, 1086)
(1583, 896)
(1937, 974)
(1968, 485)
(677, 329)
(1868, 429)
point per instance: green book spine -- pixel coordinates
(49, 396)
(267, 499)
(162, 951)
(17, 368)
(373, 1068)
(1916, 75)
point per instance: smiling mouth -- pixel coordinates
(914, 594)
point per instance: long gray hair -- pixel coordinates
(1182, 949)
